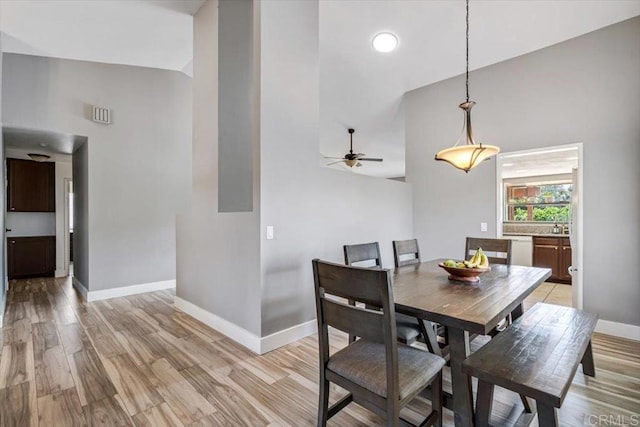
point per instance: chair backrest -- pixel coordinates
(406, 247)
(363, 252)
(499, 250)
(373, 287)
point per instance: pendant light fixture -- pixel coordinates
(468, 156)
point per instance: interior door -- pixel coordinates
(574, 269)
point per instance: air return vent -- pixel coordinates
(101, 115)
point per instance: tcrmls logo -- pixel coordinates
(612, 420)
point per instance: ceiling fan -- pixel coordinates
(352, 159)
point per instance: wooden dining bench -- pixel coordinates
(537, 356)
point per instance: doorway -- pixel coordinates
(68, 226)
(522, 216)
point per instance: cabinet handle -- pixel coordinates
(13, 209)
(13, 242)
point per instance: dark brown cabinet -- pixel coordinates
(31, 186)
(553, 253)
(31, 256)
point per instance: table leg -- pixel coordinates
(460, 382)
(517, 312)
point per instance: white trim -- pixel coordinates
(577, 280)
(1, 319)
(60, 273)
(242, 336)
(79, 287)
(66, 227)
(622, 330)
(129, 290)
(287, 336)
(233, 331)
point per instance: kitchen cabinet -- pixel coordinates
(31, 186)
(553, 253)
(31, 256)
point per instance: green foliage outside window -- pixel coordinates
(520, 214)
(551, 213)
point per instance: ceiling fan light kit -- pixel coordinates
(352, 159)
(468, 156)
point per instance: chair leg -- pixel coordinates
(484, 403)
(588, 367)
(323, 404)
(437, 398)
(547, 416)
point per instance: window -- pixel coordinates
(538, 201)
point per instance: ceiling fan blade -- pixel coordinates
(360, 154)
(333, 163)
(370, 159)
(342, 158)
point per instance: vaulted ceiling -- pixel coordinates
(359, 87)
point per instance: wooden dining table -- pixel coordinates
(424, 291)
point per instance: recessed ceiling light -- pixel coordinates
(507, 164)
(385, 42)
(42, 144)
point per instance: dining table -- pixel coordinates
(425, 291)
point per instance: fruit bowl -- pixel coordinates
(468, 275)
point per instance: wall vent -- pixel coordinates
(101, 115)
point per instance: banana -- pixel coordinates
(484, 262)
(475, 259)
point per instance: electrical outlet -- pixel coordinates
(269, 232)
(483, 226)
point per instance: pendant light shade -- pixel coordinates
(468, 155)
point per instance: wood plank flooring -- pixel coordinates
(136, 361)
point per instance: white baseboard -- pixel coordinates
(259, 345)
(287, 336)
(60, 273)
(233, 331)
(1, 320)
(129, 290)
(622, 330)
(79, 287)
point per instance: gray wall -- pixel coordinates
(218, 254)
(139, 166)
(314, 210)
(235, 146)
(586, 89)
(80, 176)
(225, 264)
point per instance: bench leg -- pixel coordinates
(547, 416)
(484, 403)
(588, 366)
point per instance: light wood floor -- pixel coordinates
(138, 361)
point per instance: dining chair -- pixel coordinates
(407, 252)
(402, 248)
(408, 328)
(379, 373)
(363, 253)
(500, 247)
(499, 253)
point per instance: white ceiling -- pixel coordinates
(147, 33)
(359, 87)
(363, 89)
(555, 161)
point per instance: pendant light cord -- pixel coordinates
(467, 50)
